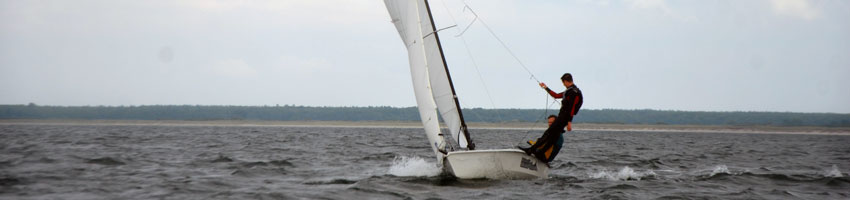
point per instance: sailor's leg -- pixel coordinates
(556, 149)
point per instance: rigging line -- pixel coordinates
(486, 90)
(530, 129)
(474, 62)
(438, 30)
(468, 25)
(500, 41)
(480, 118)
(447, 140)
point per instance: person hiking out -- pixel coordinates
(555, 149)
(571, 101)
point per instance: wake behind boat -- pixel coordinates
(435, 92)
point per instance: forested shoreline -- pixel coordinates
(385, 113)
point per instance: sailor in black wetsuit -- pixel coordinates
(570, 105)
(551, 152)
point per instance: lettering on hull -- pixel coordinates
(528, 164)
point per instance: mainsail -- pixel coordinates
(432, 83)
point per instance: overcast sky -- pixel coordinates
(707, 55)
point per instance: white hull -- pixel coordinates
(495, 164)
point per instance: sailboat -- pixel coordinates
(435, 93)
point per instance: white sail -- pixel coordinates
(405, 16)
(431, 80)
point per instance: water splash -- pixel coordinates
(719, 169)
(834, 172)
(625, 174)
(413, 166)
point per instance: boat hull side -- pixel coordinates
(495, 164)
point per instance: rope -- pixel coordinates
(513, 55)
(477, 18)
(545, 112)
(474, 63)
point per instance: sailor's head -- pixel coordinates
(567, 79)
(551, 119)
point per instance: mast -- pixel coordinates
(470, 144)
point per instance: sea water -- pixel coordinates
(279, 162)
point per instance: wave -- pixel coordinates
(719, 169)
(338, 181)
(834, 172)
(222, 158)
(259, 172)
(380, 156)
(622, 187)
(413, 166)
(257, 168)
(783, 193)
(624, 174)
(272, 163)
(718, 172)
(105, 161)
(9, 181)
(654, 163)
(832, 176)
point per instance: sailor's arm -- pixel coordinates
(552, 93)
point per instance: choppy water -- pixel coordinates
(255, 162)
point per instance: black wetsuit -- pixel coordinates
(570, 105)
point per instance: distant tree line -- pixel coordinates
(385, 113)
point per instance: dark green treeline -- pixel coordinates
(296, 113)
